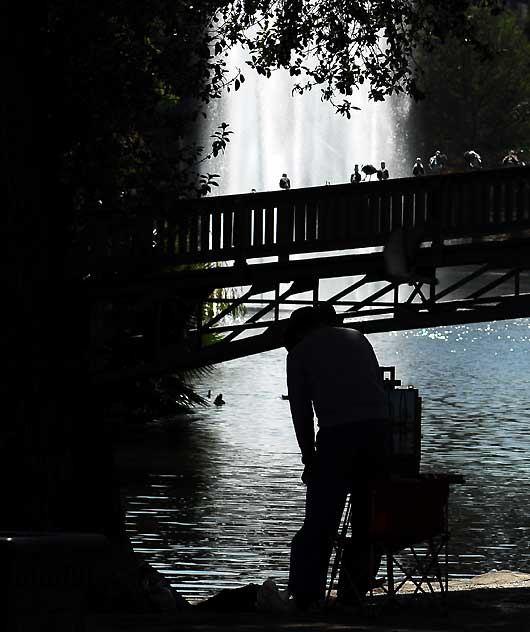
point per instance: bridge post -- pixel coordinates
(432, 292)
(284, 229)
(242, 232)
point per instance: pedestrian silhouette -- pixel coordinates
(355, 176)
(511, 159)
(382, 174)
(438, 161)
(472, 159)
(418, 169)
(353, 439)
(285, 183)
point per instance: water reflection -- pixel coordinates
(223, 498)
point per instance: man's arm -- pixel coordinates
(301, 408)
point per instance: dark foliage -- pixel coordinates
(127, 81)
(338, 45)
(474, 102)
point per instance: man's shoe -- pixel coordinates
(307, 604)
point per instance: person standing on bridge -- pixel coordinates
(356, 175)
(285, 183)
(334, 372)
(382, 173)
(472, 159)
(438, 161)
(511, 159)
(418, 169)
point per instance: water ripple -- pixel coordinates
(221, 509)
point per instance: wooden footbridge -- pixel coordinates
(412, 253)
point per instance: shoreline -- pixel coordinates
(500, 602)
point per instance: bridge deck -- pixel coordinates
(316, 219)
(163, 264)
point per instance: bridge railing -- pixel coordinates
(315, 219)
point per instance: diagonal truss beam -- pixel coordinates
(457, 302)
(296, 287)
(364, 303)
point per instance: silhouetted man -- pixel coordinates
(438, 161)
(418, 169)
(382, 174)
(511, 159)
(334, 372)
(356, 175)
(473, 160)
(285, 183)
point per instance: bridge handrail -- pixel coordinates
(336, 217)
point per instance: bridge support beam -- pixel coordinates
(478, 282)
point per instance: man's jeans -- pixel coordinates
(347, 458)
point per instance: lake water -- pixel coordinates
(223, 496)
